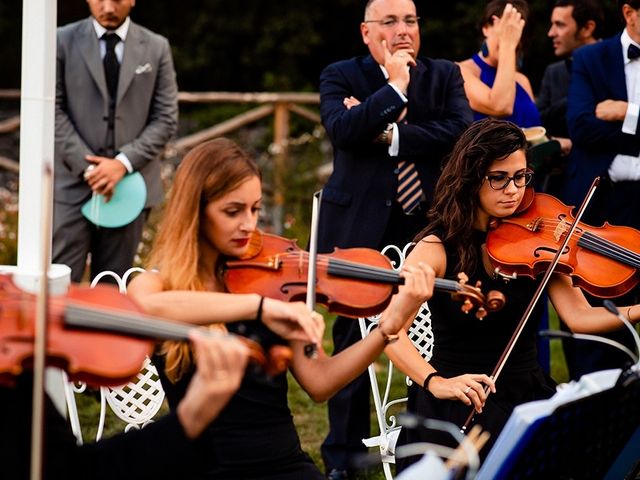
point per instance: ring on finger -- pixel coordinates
(466, 390)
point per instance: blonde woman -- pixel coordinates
(211, 214)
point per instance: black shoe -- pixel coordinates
(336, 474)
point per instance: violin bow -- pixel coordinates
(40, 340)
(311, 350)
(536, 296)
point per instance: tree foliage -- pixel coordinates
(279, 45)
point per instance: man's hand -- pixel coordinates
(397, 66)
(611, 110)
(105, 175)
(565, 145)
(351, 102)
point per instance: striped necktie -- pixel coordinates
(409, 186)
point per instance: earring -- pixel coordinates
(484, 49)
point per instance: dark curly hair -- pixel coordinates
(454, 210)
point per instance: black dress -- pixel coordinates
(464, 344)
(254, 437)
(160, 450)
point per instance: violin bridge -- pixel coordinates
(274, 262)
(562, 228)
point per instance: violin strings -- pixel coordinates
(79, 316)
(611, 249)
(366, 272)
(601, 245)
(344, 267)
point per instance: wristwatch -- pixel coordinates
(385, 136)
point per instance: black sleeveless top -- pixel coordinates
(464, 344)
(254, 436)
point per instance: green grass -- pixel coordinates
(559, 371)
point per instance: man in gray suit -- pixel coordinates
(116, 108)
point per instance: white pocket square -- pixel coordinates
(143, 68)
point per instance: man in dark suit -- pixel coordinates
(574, 23)
(116, 107)
(383, 112)
(602, 113)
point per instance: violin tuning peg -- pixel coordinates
(481, 313)
(478, 284)
(462, 278)
(466, 306)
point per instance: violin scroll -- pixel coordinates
(472, 297)
(273, 360)
(279, 358)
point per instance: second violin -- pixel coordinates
(355, 282)
(604, 261)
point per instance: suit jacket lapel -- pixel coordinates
(417, 74)
(373, 74)
(90, 49)
(615, 70)
(134, 49)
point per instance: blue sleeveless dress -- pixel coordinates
(525, 114)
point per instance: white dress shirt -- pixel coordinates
(394, 148)
(121, 31)
(626, 167)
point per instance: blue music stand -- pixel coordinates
(594, 436)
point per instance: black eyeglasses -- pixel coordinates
(391, 22)
(499, 181)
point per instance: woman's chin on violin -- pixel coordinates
(209, 223)
(229, 221)
(502, 190)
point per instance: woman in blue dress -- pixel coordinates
(492, 82)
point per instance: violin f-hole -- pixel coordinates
(552, 251)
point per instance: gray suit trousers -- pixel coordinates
(111, 248)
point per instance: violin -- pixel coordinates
(98, 335)
(603, 261)
(354, 282)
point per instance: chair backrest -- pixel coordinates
(135, 403)
(421, 335)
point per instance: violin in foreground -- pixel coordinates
(354, 282)
(98, 335)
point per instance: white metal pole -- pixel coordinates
(37, 118)
(37, 123)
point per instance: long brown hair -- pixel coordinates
(454, 211)
(207, 172)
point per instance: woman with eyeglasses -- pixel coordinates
(492, 82)
(485, 177)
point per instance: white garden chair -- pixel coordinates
(421, 335)
(135, 403)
